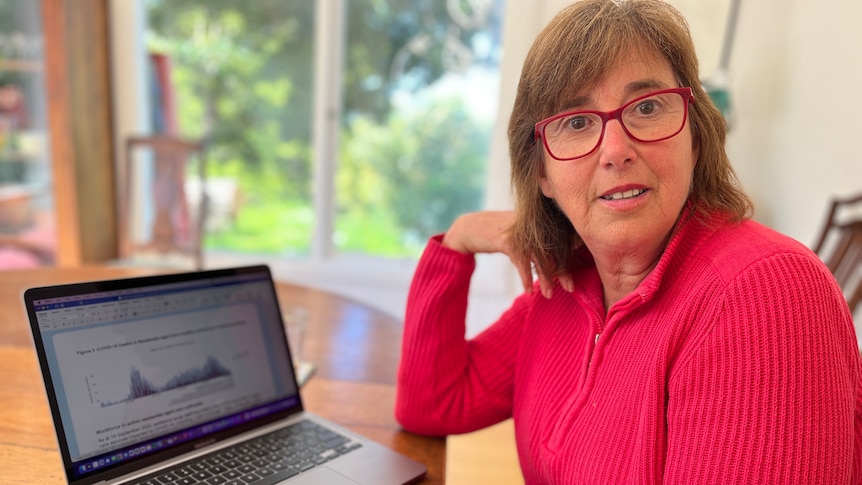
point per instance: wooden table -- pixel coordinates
(356, 350)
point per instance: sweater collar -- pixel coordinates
(688, 229)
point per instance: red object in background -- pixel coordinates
(13, 115)
(12, 106)
(164, 98)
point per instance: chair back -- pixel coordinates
(840, 246)
(161, 223)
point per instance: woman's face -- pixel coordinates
(626, 195)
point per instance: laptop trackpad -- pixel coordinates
(322, 476)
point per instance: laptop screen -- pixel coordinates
(136, 368)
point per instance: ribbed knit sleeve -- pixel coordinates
(445, 383)
(770, 394)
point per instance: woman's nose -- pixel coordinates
(616, 145)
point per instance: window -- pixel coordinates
(241, 76)
(27, 216)
(349, 128)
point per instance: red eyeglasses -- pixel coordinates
(653, 117)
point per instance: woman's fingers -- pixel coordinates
(488, 232)
(525, 271)
(546, 285)
(566, 282)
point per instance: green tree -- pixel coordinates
(244, 79)
(232, 89)
(425, 166)
(222, 47)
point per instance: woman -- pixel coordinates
(673, 340)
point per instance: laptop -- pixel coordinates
(187, 378)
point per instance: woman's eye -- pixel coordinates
(576, 123)
(647, 107)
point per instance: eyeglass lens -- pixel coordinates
(646, 119)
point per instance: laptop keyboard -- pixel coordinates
(264, 460)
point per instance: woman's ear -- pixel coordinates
(544, 183)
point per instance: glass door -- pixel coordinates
(27, 234)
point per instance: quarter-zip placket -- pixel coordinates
(593, 352)
(604, 326)
(576, 402)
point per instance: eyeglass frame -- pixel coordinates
(685, 92)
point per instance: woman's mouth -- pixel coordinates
(628, 194)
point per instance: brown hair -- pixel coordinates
(575, 51)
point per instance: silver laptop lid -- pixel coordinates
(140, 370)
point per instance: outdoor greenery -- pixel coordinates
(243, 77)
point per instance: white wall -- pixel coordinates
(796, 84)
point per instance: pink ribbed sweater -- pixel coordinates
(734, 362)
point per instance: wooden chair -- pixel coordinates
(840, 246)
(160, 223)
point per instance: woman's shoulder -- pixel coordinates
(734, 247)
(750, 235)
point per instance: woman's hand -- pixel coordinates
(488, 232)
